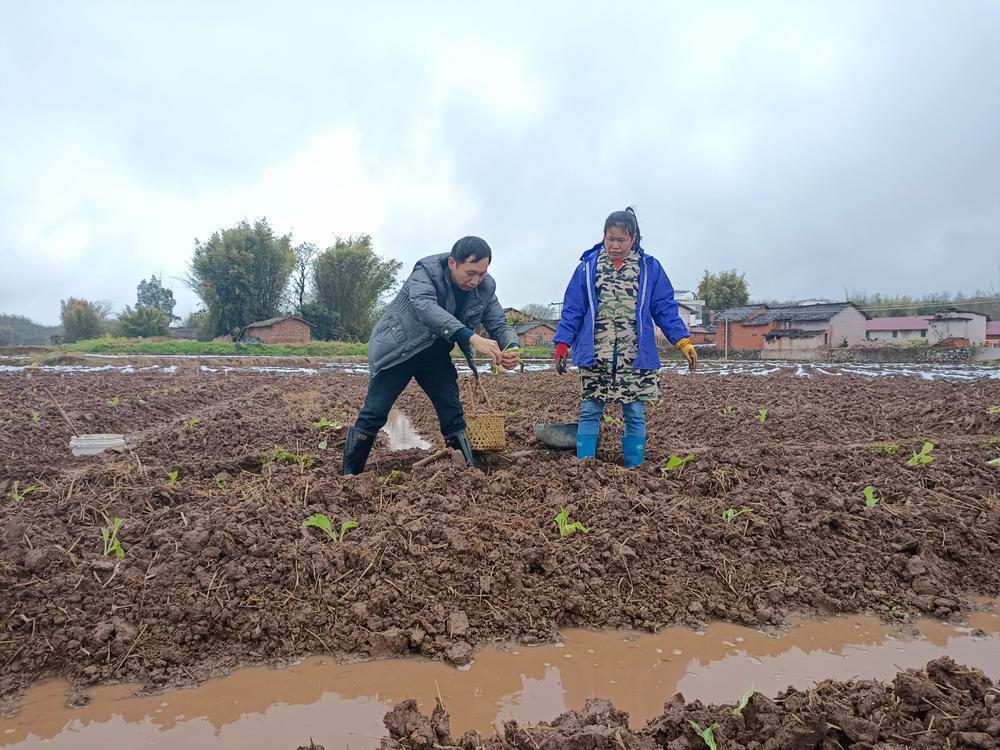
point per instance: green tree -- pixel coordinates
(23, 331)
(350, 279)
(143, 322)
(724, 290)
(304, 255)
(241, 274)
(152, 293)
(201, 322)
(325, 324)
(81, 319)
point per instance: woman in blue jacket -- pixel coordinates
(615, 296)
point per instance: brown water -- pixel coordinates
(342, 705)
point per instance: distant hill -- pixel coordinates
(17, 330)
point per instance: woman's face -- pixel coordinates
(618, 243)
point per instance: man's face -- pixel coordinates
(469, 273)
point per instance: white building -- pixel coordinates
(955, 325)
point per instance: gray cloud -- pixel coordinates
(817, 147)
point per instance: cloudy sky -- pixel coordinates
(815, 146)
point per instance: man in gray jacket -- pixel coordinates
(439, 305)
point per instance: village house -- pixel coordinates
(288, 330)
(731, 324)
(818, 326)
(992, 334)
(790, 328)
(535, 334)
(702, 335)
(900, 329)
(956, 327)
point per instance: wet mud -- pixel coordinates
(217, 570)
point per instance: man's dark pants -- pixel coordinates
(435, 374)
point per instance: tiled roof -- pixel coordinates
(799, 313)
(272, 321)
(524, 328)
(736, 314)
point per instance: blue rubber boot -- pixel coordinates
(633, 450)
(586, 446)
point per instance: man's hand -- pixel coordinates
(685, 347)
(509, 358)
(487, 347)
(561, 356)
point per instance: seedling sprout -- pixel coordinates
(565, 527)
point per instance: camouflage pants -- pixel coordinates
(623, 386)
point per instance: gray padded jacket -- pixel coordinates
(424, 310)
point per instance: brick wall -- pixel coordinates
(283, 332)
(539, 336)
(742, 336)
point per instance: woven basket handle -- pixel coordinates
(475, 387)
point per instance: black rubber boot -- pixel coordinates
(460, 441)
(356, 449)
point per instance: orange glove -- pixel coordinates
(561, 356)
(685, 347)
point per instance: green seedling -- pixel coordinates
(762, 416)
(924, 457)
(676, 462)
(281, 456)
(730, 513)
(728, 409)
(565, 527)
(707, 734)
(323, 423)
(36, 417)
(993, 462)
(110, 536)
(322, 522)
(115, 400)
(220, 482)
(870, 500)
(744, 700)
(496, 368)
(17, 493)
(172, 477)
(190, 424)
(345, 527)
(993, 411)
(322, 444)
(391, 477)
(890, 448)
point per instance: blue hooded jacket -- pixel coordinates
(655, 303)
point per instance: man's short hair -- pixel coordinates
(471, 248)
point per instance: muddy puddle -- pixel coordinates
(341, 705)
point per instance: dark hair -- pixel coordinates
(471, 247)
(624, 220)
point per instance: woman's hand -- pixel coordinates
(561, 358)
(685, 347)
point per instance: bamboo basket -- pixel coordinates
(486, 428)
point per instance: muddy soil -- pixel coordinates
(218, 570)
(943, 705)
